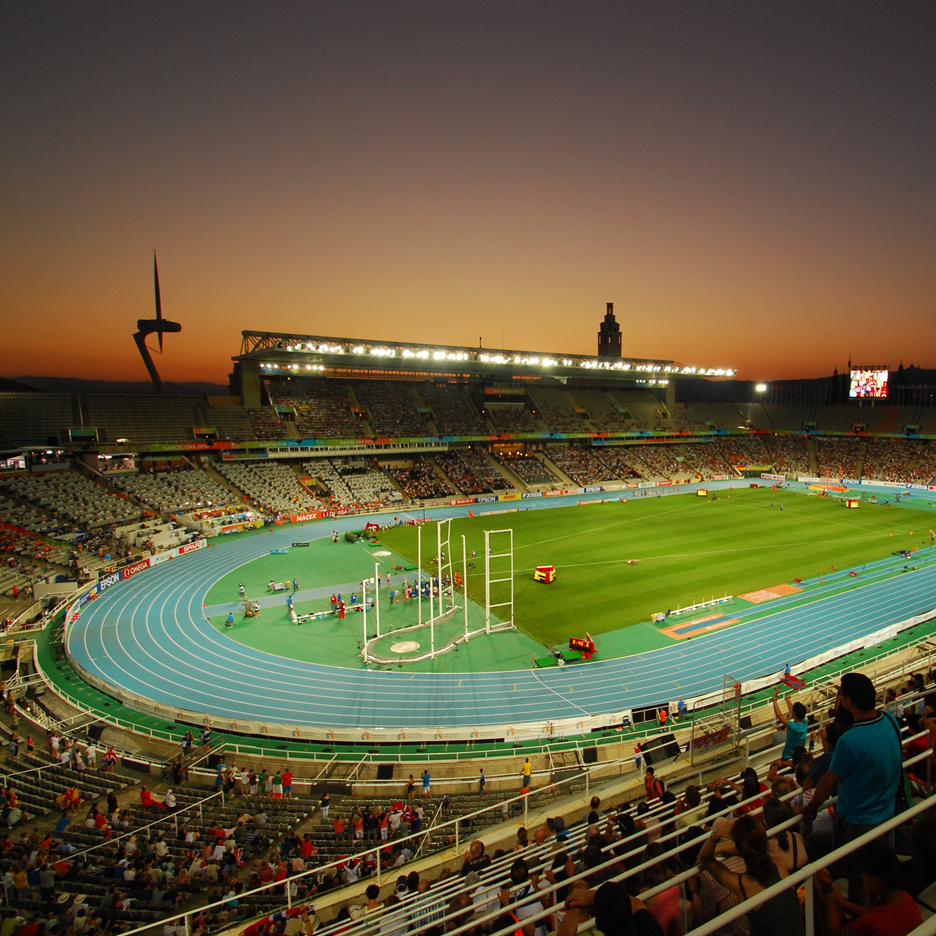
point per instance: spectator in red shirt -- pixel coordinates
(893, 912)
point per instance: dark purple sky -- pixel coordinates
(751, 183)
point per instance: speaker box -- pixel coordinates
(657, 750)
(95, 732)
(385, 771)
(590, 755)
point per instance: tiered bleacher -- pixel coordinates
(70, 495)
(353, 482)
(177, 491)
(579, 462)
(529, 469)
(420, 481)
(622, 464)
(471, 471)
(837, 457)
(323, 408)
(391, 409)
(274, 487)
(662, 461)
(452, 411)
(788, 455)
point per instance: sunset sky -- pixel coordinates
(751, 183)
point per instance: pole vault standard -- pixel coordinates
(465, 582)
(377, 595)
(364, 614)
(498, 570)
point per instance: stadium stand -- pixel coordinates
(925, 468)
(323, 408)
(353, 482)
(578, 462)
(529, 469)
(141, 418)
(471, 472)
(452, 410)
(274, 487)
(837, 457)
(558, 409)
(179, 491)
(392, 408)
(35, 418)
(419, 480)
(85, 503)
(622, 463)
(788, 454)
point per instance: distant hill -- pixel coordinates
(12, 386)
(78, 385)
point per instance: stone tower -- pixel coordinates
(609, 335)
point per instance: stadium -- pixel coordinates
(375, 560)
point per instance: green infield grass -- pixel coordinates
(685, 549)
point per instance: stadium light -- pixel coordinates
(761, 387)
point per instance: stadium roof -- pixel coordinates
(294, 355)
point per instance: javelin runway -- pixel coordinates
(150, 638)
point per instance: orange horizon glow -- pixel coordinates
(752, 187)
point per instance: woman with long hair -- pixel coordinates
(781, 914)
(786, 847)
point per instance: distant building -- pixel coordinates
(609, 335)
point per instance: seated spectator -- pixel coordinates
(748, 839)
(891, 911)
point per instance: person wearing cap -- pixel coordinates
(866, 764)
(169, 800)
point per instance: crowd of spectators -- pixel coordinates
(706, 459)
(925, 468)
(471, 472)
(420, 481)
(267, 424)
(391, 409)
(788, 454)
(578, 462)
(887, 459)
(662, 461)
(622, 464)
(528, 468)
(322, 408)
(272, 486)
(452, 411)
(837, 457)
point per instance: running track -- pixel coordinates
(149, 637)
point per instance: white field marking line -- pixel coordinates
(559, 694)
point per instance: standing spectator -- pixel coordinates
(796, 727)
(866, 764)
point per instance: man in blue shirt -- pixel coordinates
(796, 727)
